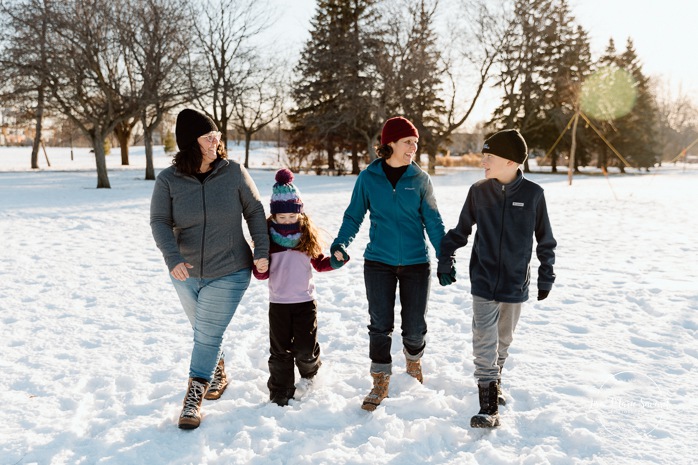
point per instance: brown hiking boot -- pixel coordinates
(378, 392)
(218, 383)
(414, 369)
(190, 417)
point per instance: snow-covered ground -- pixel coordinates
(95, 347)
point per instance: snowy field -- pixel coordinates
(95, 347)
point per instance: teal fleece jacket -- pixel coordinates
(201, 223)
(399, 217)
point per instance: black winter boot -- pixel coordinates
(488, 416)
(282, 396)
(501, 400)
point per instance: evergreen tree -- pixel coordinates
(337, 82)
(638, 128)
(419, 77)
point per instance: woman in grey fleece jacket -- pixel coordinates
(196, 217)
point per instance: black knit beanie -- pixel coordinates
(192, 124)
(508, 144)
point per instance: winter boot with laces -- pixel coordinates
(190, 418)
(488, 416)
(218, 383)
(378, 392)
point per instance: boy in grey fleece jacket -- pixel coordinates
(509, 211)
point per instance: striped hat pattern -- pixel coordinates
(285, 197)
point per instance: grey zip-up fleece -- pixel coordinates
(201, 223)
(508, 216)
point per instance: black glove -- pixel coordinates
(447, 278)
(542, 294)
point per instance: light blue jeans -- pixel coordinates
(493, 330)
(210, 305)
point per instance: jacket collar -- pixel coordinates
(375, 167)
(513, 185)
(218, 164)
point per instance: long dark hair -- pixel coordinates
(189, 161)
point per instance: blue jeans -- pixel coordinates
(210, 305)
(381, 283)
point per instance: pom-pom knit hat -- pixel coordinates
(397, 128)
(508, 144)
(285, 197)
(191, 125)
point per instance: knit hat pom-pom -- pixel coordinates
(284, 176)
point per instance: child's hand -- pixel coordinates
(262, 265)
(542, 294)
(446, 271)
(446, 279)
(338, 252)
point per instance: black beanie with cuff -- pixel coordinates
(508, 144)
(192, 124)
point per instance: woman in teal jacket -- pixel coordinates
(400, 199)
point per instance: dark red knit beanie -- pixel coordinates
(397, 128)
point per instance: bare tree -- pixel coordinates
(24, 84)
(260, 102)
(86, 72)
(156, 44)
(222, 54)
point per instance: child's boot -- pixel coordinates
(501, 400)
(190, 417)
(378, 392)
(488, 416)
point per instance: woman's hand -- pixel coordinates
(262, 265)
(180, 271)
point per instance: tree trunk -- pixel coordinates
(248, 139)
(330, 156)
(148, 142)
(553, 162)
(431, 164)
(355, 160)
(123, 134)
(39, 122)
(101, 161)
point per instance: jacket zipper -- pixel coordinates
(501, 234)
(203, 233)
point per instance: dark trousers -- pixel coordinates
(381, 283)
(292, 337)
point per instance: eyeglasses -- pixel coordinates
(212, 136)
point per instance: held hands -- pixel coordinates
(446, 279)
(262, 264)
(338, 256)
(181, 271)
(446, 271)
(542, 294)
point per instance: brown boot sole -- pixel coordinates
(369, 407)
(189, 423)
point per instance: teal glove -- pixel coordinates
(446, 279)
(340, 248)
(334, 263)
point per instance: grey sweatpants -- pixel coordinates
(493, 330)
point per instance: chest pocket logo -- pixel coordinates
(517, 204)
